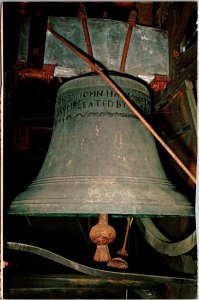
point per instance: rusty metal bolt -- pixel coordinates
(82, 13)
(133, 16)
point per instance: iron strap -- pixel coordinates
(160, 243)
(97, 272)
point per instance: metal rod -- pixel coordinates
(132, 22)
(83, 16)
(123, 97)
(87, 37)
(123, 251)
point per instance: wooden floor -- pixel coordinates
(77, 286)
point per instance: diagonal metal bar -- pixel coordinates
(124, 98)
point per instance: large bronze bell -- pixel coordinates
(101, 158)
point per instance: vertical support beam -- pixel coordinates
(185, 17)
(145, 17)
(37, 37)
(177, 27)
(172, 25)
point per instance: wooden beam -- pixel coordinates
(173, 19)
(37, 38)
(184, 60)
(145, 13)
(190, 72)
(75, 280)
(185, 17)
(72, 286)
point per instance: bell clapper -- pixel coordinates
(102, 234)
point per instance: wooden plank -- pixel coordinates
(168, 292)
(73, 280)
(190, 72)
(176, 112)
(145, 13)
(70, 286)
(172, 24)
(177, 121)
(67, 293)
(176, 31)
(185, 59)
(192, 102)
(172, 89)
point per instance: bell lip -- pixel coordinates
(92, 196)
(152, 211)
(85, 215)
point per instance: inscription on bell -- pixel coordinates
(90, 102)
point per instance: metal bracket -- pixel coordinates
(45, 74)
(159, 83)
